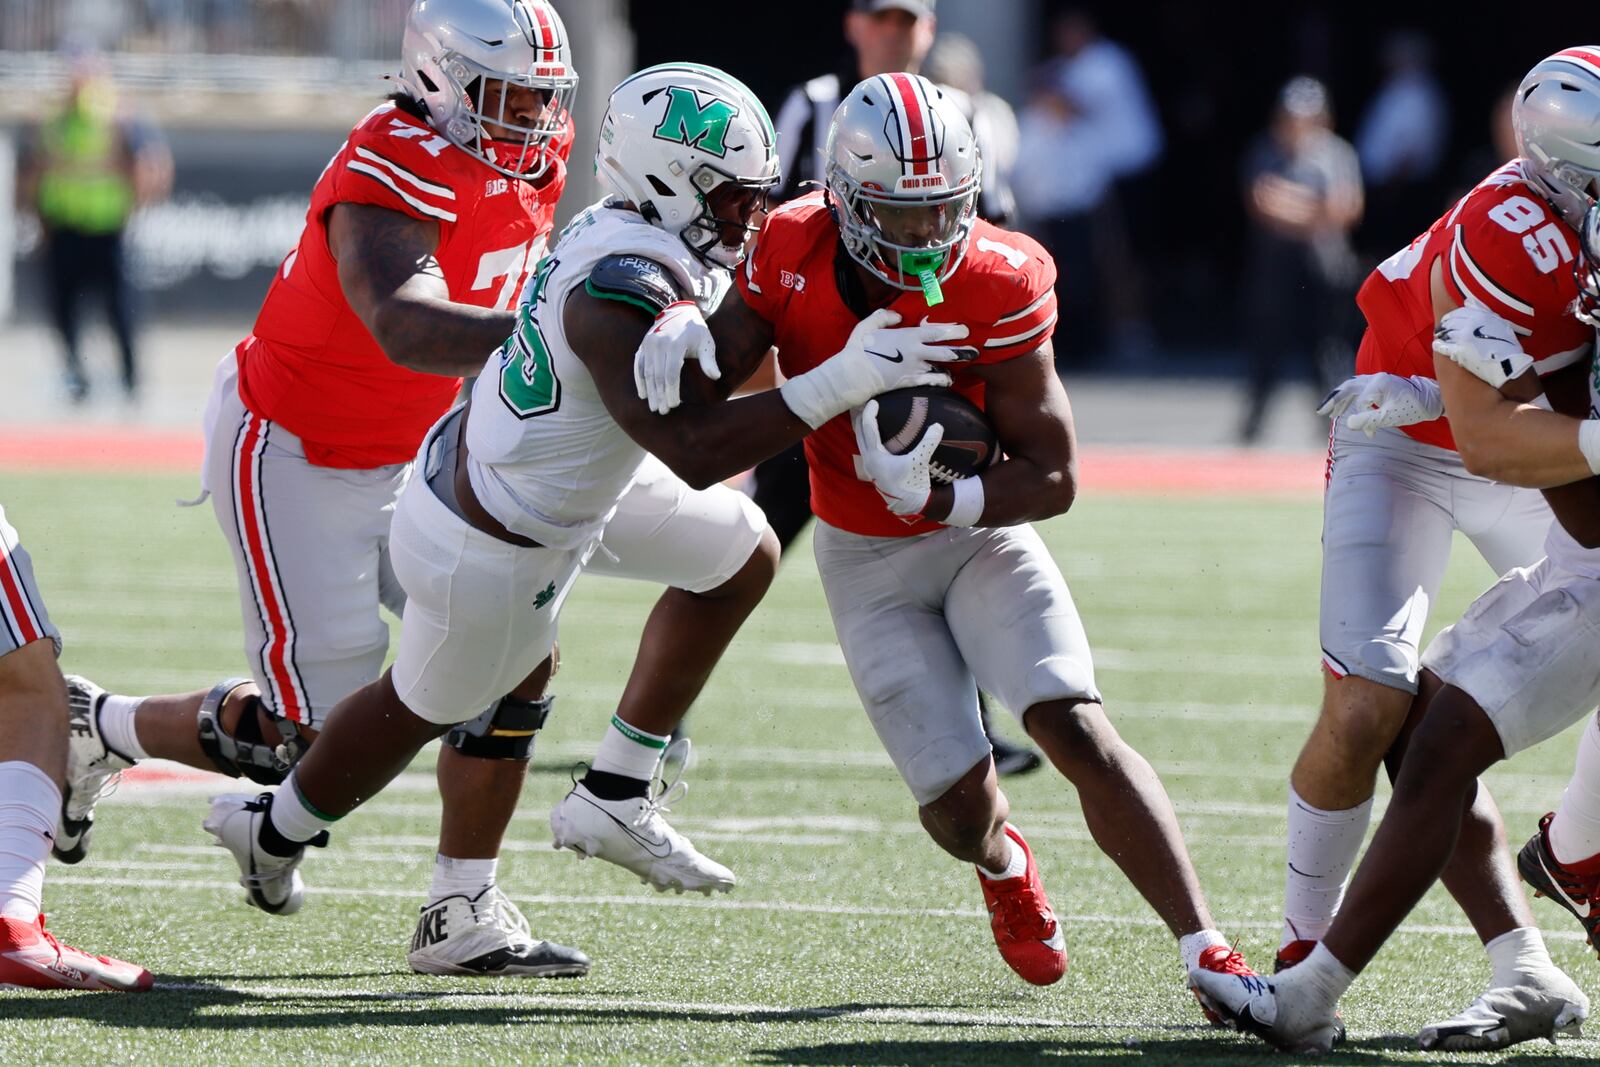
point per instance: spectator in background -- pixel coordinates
(84, 172)
(1303, 196)
(956, 63)
(1089, 128)
(1401, 142)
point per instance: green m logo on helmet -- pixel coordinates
(699, 126)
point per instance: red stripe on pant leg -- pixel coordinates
(276, 660)
(11, 585)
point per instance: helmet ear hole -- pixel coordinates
(661, 187)
(427, 81)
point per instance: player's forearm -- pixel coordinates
(710, 443)
(433, 336)
(1015, 491)
(1531, 447)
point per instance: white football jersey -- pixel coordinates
(546, 458)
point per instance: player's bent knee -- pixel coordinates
(1365, 716)
(30, 675)
(1073, 727)
(1454, 743)
(256, 745)
(506, 731)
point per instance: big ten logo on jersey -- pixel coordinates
(1547, 245)
(496, 186)
(790, 280)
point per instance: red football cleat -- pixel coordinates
(1292, 953)
(1575, 886)
(31, 957)
(1025, 929)
(1220, 959)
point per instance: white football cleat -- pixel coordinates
(1270, 1008)
(272, 883)
(632, 834)
(92, 770)
(1544, 1004)
(486, 935)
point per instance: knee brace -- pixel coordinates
(505, 731)
(246, 753)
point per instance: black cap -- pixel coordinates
(922, 9)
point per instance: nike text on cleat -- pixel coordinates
(633, 834)
(1575, 887)
(272, 883)
(31, 958)
(92, 770)
(1543, 1004)
(1025, 929)
(486, 936)
(1218, 959)
(1251, 1003)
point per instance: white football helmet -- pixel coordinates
(1556, 115)
(454, 49)
(1586, 268)
(672, 135)
(903, 174)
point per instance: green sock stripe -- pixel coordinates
(635, 736)
(300, 796)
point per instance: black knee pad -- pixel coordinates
(247, 753)
(505, 731)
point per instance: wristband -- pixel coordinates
(1589, 442)
(967, 507)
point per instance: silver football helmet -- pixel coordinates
(903, 174)
(691, 147)
(1556, 115)
(461, 59)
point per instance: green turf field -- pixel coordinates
(849, 940)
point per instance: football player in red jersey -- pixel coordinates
(421, 231)
(1494, 275)
(938, 591)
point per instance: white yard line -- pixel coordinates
(725, 903)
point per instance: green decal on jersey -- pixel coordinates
(528, 383)
(688, 122)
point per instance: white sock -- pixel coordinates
(1517, 951)
(1575, 831)
(1016, 863)
(1191, 945)
(1312, 987)
(467, 878)
(29, 804)
(628, 751)
(117, 726)
(292, 816)
(1322, 849)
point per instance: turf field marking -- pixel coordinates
(730, 904)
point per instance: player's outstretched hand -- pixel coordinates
(678, 334)
(880, 356)
(1482, 344)
(903, 481)
(1376, 401)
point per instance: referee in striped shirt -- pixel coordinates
(887, 36)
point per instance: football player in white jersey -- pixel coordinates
(548, 472)
(1517, 669)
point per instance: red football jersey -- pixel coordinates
(1003, 291)
(311, 365)
(1502, 248)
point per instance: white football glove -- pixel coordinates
(678, 334)
(903, 481)
(877, 358)
(1376, 401)
(1482, 344)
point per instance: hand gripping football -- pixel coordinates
(969, 444)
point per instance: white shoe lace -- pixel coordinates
(662, 794)
(499, 913)
(96, 786)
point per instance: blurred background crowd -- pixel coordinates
(1214, 182)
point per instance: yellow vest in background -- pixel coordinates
(84, 185)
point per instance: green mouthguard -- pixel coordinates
(925, 265)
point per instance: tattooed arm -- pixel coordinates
(394, 285)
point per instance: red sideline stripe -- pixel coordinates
(11, 584)
(1102, 469)
(255, 545)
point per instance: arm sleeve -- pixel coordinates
(399, 169)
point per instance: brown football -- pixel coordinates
(969, 444)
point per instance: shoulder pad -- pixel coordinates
(634, 280)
